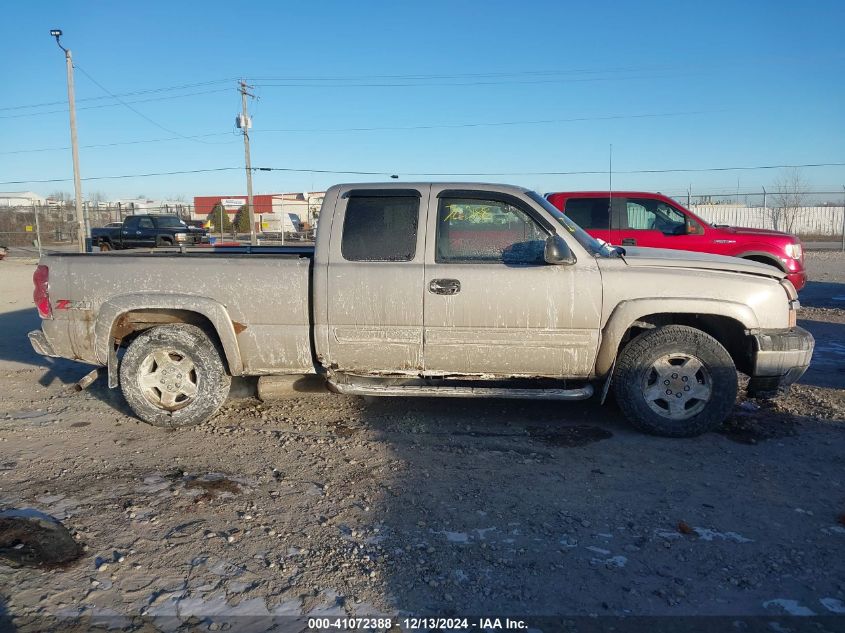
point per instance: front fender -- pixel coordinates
(624, 315)
(214, 311)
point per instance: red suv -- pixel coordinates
(637, 218)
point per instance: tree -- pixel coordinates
(788, 201)
(215, 216)
(242, 220)
(61, 197)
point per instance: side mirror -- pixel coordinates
(693, 228)
(556, 251)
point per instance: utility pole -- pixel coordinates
(843, 218)
(38, 230)
(83, 231)
(245, 124)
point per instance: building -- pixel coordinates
(21, 199)
(143, 205)
(305, 205)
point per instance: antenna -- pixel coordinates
(610, 189)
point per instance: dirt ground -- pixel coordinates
(329, 505)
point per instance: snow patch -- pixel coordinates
(706, 534)
(833, 605)
(792, 607)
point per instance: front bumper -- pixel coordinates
(797, 278)
(40, 344)
(780, 358)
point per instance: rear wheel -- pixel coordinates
(174, 376)
(104, 247)
(675, 381)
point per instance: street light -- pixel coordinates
(81, 214)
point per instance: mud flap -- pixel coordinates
(114, 374)
(606, 387)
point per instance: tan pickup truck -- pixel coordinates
(434, 289)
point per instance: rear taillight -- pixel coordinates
(41, 294)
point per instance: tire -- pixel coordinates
(675, 359)
(174, 376)
(163, 241)
(105, 247)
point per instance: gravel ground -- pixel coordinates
(335, 505)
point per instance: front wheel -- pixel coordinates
(675, 381)
(174, 376)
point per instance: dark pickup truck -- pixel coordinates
(138, 231)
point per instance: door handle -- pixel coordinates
(629, 241)
(137, 232)
(444, 286)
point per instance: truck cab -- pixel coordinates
(636, 218)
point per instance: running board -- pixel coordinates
(352, 389)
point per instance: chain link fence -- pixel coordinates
(56, 225)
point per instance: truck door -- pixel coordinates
(492, 305)
(146, 232)
(375, 280)
(131, 232)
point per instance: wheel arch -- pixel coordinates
(121, 318)
(762, 257)
(728, 322)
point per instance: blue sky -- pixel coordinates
(669, 84)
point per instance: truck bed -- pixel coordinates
(258, 295)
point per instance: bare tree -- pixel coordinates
(788, 200)
(61, 196)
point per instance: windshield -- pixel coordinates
(169, 221)
(594, 246)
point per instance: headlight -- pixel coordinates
(793, 251)
(181, 237)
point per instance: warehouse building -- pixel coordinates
(21, 199)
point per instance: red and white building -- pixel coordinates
(304, 205)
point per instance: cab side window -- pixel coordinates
(131, 223)
(653, 215)
(146, 223)
(476, 230)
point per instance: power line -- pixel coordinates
(123, 176)
(118, 143)
(421, 76)
(391, 128)
(135, 110)
(122, 94)
(492, 124)
(442, 174)
(113, 105)
(409, 84)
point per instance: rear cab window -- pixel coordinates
(380, 226)
(589, 213)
